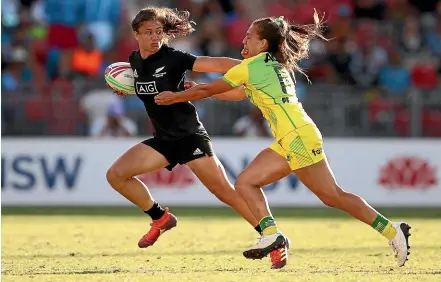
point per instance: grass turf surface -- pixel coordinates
(100, 244)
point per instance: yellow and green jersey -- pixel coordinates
(270, 87)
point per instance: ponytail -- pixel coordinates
(290, 43)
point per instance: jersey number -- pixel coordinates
(280, 73)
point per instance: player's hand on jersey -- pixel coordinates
(165, 98)
(117, 92)
(189, 84)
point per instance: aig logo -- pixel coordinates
(146, 88)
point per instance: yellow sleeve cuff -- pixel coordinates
(229, 82)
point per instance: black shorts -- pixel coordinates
(183, 150)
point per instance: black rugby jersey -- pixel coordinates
(165, 71)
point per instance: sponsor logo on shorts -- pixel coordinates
(316, 152)
(197, 152)
(408, 172)
(146, 88)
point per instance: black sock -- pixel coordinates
(258, 229)
(155, 212)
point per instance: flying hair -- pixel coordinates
(176, 23)
(289, 43)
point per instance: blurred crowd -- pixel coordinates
(384, 54)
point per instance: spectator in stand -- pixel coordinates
(439, 72)
(342, 22)
(15, 61)
(339, 61)
(301, 90)
(212, 42)
(394, 78)
(126, 43)
(288, 9)
(411, 40)
(17, 38)
(367, 62)
(398, 10)
(424, 73)
(236, 26)
(43, 34)
(115, 124)
(382, 111)
(27, 4)
(370, 9)
(64, 18)
(252, 125)
(86, 58)
(434, 39)
(425, 6)
(438, 9)
(102, 18)
(95, 103)
(10, 14)
(16, 71)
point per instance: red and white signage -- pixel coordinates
(63, 171)
(408, 172)
(180, 178)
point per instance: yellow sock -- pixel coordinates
(268, 225)
(384, 226)
(389, 231)
(270, 230)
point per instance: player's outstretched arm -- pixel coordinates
(236, 94)
(214, 64)
(198, 92)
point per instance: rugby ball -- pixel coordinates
(119, 76)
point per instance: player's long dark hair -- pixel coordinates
(288, 43)
(176, 23)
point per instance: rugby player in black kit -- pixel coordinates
(179, 136)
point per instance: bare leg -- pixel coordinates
(266, 168)
(212, 174)
(137, 160)
(320, 180)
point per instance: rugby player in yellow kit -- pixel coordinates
(272, 48)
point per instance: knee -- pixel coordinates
(240, 185)
(114, 176)
(243, 184)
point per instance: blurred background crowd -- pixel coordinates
(380, 75)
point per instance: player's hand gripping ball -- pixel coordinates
(119, 77)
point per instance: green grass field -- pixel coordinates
(100, 244)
